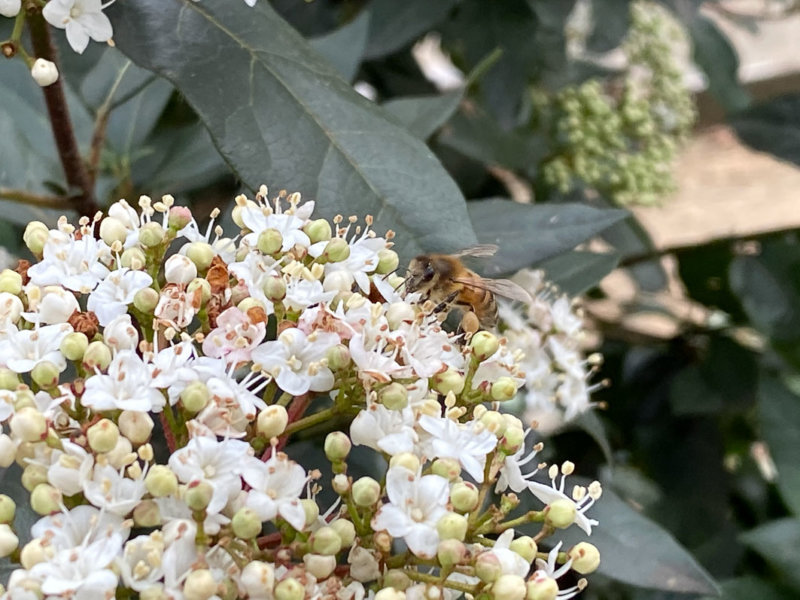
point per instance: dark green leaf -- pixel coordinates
(530, 233)
(714, 54)
(24, 516)
(704, 272)
(689, 394)
(344, 47)
(279, 114)
(779, 410)
(610, 22)
(578, 271)
(773, 126)
(593, 425)
(422, 115)
(752, 588)
(132, 121)
(397, 24)
(778, 542)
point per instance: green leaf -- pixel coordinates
(530, 233)
(772, 126)
(777, 542)
(344, 47)
(637, 551)
(422, 115)
(280, 115)
(24, 516)
(579, 271)
(396, 24)
(750, 588)
(594, 426)
(779, 412)
(714, 54)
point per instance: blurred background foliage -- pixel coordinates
(544, 115)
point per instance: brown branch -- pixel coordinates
(74, 169)
(31, 199)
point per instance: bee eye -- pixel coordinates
(428, 273)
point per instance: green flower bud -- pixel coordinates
(488, 567)
(275, 289)
(505, 388)
(337, 250)
(341, 484)
(464, 496)
(195, 396)
(179, 217)
(198, 495)
(8, 540)
(10, 281)
(449, 468)
(74, 345)
(509, 587)
(35, 237)
(397, 579)
(318, 230)
(97, 355)
(560, 513)
(452, 526)
(585, 558)
(25, 398)
(493, 421)
(45, 499)
(199, 585)
(272, 421)
(161, 481)
(34, 552)
(326, 541)
(7, 509)
(451, 552)
(345, 530)
(246, 524)
(202, 285)
(122, 455)
(366, 491)
(103, 436)
(448, 381)
(484, 344)
(387, 261)
(146, 300)
(152, 234)
(525, 546)
(311, 510)
(337, 446)
(201, 254)
(269, 241)
(388, 593)
(28, 424)
(32, 475)
(112, 230)
(407, 460)
(512, 440)
(133, 258)
(136, 426)
(290, 589)
(394, 396)
(45, 374)
(541, 588)
(338, 357)
(257, 579)
(9, 380)
(147, 514)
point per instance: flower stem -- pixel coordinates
(310, 421)
(534, 516)
(434, 579)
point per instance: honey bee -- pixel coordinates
(443, 279)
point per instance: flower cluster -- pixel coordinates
(153, 379)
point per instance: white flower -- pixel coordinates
(141, 563)
(110, 299)
(70, 468)
(70, 262)
(511, 475)
(111, 491)
(223, 247)
(547, 570)
(50, 304)
(10, 310)
(44, 72)
(22, 350)
(82, 19)
(176, 307)
(390, 431)
(415, 506)
(120, 334)
(376, 361)
(296, 360)
(583, 498)
(257, 219)
(468, 443)
(7, 400)
(276, 486)
(126, 386)
(510, 562)
(254, 271)
(234, 337)
(302, 293)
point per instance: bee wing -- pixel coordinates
(479, 250)
(500, 287)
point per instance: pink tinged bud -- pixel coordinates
(44, 72)
(136, 426)
(179, 217)
(28, 425)
(246, 523)
(179, 269)
(199, 585)
(560, 513)
(7, 509)
(103, 436)
(451, 552)
(541, 587)
(585, 558)
(8, 540)
(512, 440)
(488, 567)
(45, 499)
(448, 381)
(509, 587)
(484, 344)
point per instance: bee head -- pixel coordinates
(420, 273)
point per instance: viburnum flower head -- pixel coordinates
(82, 20)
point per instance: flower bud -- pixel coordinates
(146, 300)
(345, 530)
(7, 509)
(488, 567)
(257, 580)
(387, 261)
(389, 593)
(406, 460)
(585, 558)
(341, 484)
(35, 552)
(320, 566)
(336, 250)
(448, 381)
(179, 269)
(133, 258)
(290, 589)
(451, 552)
(122, 455)
(10, 8)
(493, 422)
(338, 357)
(24, 398)
(74, 345)
(201, 254)
(35, 237)
(152, 234)
(32, 475)
(484, 344)
(8, 451)
(45, 499)
(504, 388)
(318, 230)
(28, 424)
(394, 396)
(161, 481)
(541, 587)
(45, 374)
(311, 510)
(103, 436)
(326, 541)
(452, 526)
(512, 440)
(10, 281)
(366, 491)
(382, 541)
(337, 446)
(246, 524)
(9, 380)
(195, 396)
(272, 421)
(198, 495)
(399, 313)
(464, 496)
(44, 72)
(269, 241)
(8, 540)
(397, 579)
(525, 546)
(199, 585)
(560, 513)
(275, 289)
(509, 587)
(338, 281)
(449, 468)
(97, 356)
(113, 230)
(179, 217)
(147, 514)
(203, 285)
(136, 426)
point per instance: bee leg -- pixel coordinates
(445, 304)
(469, 324)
